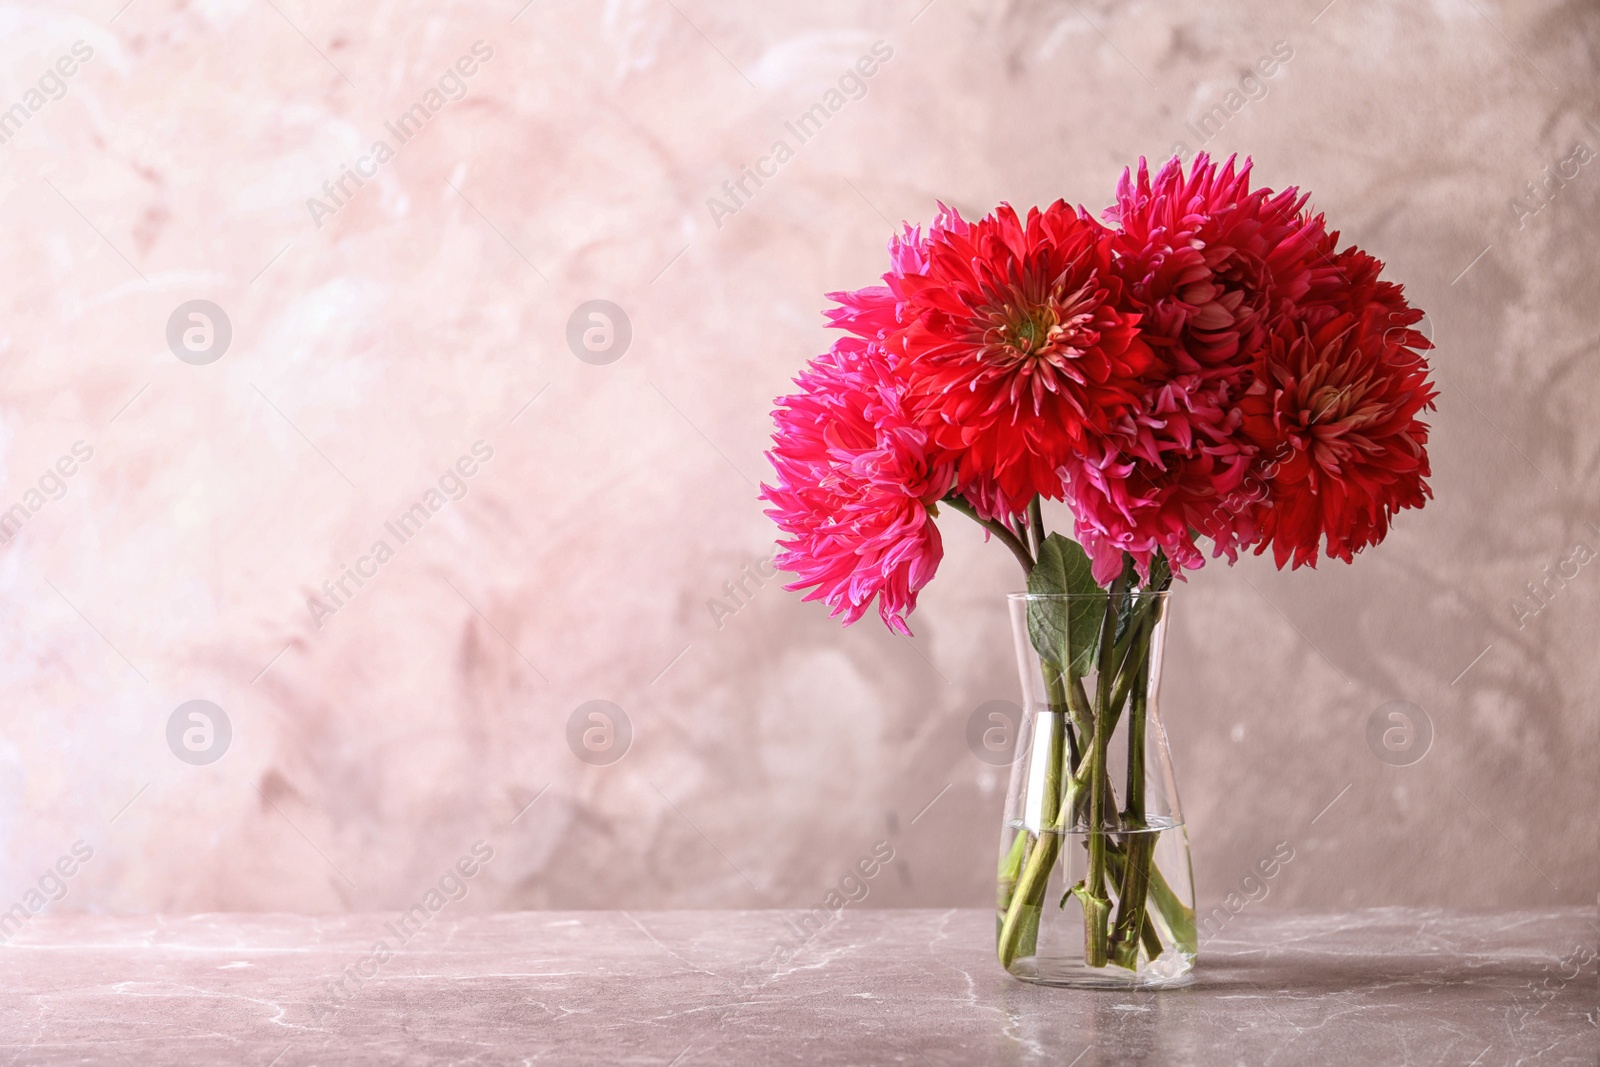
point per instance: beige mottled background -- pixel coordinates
(429, 312)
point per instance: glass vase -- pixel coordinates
(1095, 888)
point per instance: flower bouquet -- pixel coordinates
(1205, 365)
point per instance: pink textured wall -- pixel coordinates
(417, 321)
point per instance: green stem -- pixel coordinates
(1148, 934)
(1096, 905)
(1134, 663)
(1010, 868)
(1135, 883)
(1050, 803)
(1082, 711)
(1027, 901)
(1136, 733)
(1058, 694)
(1178, 916)
(1019, 927)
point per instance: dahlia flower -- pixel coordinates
(1015, 348)
(1209, 262)
(1353, 287)
(856, 485)
(1336, 406)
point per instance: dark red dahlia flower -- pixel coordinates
(1353, 287)
(1334, 412)
(1016, 346)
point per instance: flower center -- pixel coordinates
(1031, 329)
(1330, 403)
(1051, 330)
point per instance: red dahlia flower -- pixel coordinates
(1335, 408)
(1015, 348)
(856, 482)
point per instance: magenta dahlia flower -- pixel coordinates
(1172, 471)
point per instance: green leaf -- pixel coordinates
(1065, 632)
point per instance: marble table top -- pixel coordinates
(686, 988)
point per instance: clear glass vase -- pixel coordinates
(1095, 887)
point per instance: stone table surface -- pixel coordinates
(685, 988)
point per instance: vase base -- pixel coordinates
(1172, 971)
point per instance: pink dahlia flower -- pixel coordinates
(856, 487)
(1015, 347)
